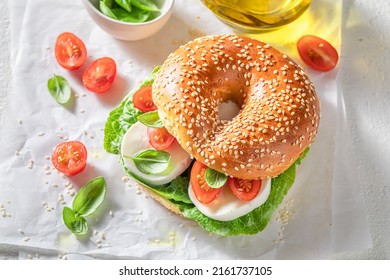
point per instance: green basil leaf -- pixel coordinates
(151, 119)
(136, 15)
(110, 3)
(151, 161)
(214, 178)
(76, 224)
(145, 5)
(89, 198)
(106, 10)
(59, 88)
(125, 4)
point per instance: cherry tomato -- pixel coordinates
(70, 157)
(201, 189)
(160, 138)
(244, 189)
(317, 53)
(143, 101)
(70, 51)
(100, 75)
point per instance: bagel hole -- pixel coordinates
(228, 110)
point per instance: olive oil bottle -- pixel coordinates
(257, 16)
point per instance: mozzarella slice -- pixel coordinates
(136, 139)
(227, 206)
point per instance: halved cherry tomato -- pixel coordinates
(70, 158)
(70, 51)
(317, 53)
(244, 189)
(201, 189)
(100, 75)
(143, 101)
(160, 138)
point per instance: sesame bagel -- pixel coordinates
(279, 109)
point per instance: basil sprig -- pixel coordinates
(87, 200)
(214, 178)
(59, 88)
(151, 119)
(151, 161)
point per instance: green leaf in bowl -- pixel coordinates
(145, 5)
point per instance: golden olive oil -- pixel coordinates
(256, 16)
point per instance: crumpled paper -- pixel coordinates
(131, 225)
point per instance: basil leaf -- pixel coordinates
(151, 119)
(145, 5)
(214, 178)
(136, 15)
(89, 197)
(106, 10)
(59, 88)
(125, 4)
(110, 3)
(76, 224)
(151, 161)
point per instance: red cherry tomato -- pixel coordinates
(70, 157)
(70, 51)
(317, 53)
(244, 189)
(100, 75)
(143, 101)
(160, 138)
(201, 189)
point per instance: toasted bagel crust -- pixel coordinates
(279, 114)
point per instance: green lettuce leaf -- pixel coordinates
(125, 115)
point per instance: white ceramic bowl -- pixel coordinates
(129, 31)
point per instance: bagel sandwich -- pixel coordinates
(216, 132)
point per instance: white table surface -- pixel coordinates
(365, 84)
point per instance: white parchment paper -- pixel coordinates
(31, 191)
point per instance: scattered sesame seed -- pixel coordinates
(30, 164)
